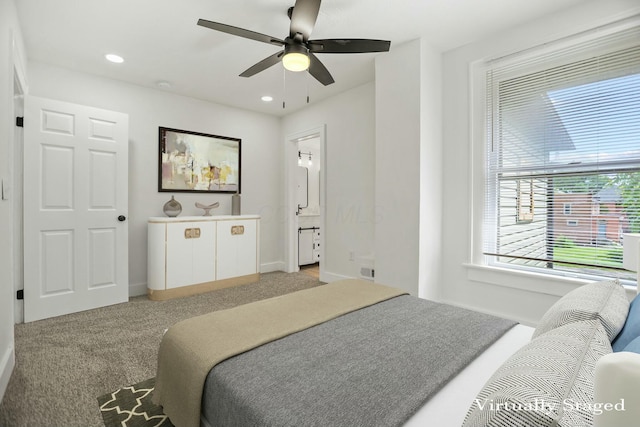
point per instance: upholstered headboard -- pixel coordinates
(617, 390)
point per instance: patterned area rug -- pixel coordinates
(131, 406)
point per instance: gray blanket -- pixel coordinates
(373, 367)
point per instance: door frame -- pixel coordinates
(18, 86)
(291, 219)
(19, 93)
(20, 90)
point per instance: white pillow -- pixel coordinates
(548, 382)
(605, 301)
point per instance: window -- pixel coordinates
(563, 136)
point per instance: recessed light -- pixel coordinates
(163, 84)
(267, 98)
(114, 58)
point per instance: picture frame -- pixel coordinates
(195, 162)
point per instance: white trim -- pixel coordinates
(19, 79)
(541, 283)
(560, 43)
(7, 363)
(18, 65)
(328, 277)
(272, 266)
(477, 137)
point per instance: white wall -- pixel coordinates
(397, 191)
(11, 54)
(524, 297)
(408, 189)
(431, 173)
(148, 109)
(349, 169)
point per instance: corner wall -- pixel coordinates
(408, 190)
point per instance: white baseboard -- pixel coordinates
(328, 277)
(7, 363)
(272, 266)
(137, 289)
(18, 311)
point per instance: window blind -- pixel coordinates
(563, 153)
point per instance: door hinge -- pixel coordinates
(20, 122)
(20, 294)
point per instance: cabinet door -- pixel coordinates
(190, 253)
(156, 247)
(204, 253)
(305, 247)
(316, 245)
(237, 248)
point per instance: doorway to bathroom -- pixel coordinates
(306, 201)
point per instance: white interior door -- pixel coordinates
(75, 207)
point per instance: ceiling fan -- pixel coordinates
(299, 52)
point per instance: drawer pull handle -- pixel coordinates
(191, 233)
(237, 230)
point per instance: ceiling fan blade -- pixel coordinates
(262, 65)
(319, 71)
(348, 46)
(303, 18)
(241, 32)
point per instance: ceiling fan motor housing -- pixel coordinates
(295, 48)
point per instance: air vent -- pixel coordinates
(367, 272)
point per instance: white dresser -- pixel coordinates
(195, 254)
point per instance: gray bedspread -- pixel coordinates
(373, 367)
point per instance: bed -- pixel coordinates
(354, 353)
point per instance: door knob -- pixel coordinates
(122, 218)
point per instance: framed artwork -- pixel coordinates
(198, 162)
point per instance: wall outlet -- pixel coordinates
(352, 256)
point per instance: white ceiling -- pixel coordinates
(160, 41)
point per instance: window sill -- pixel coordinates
(530, 281)
(524, 280)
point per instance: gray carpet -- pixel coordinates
(64, 364)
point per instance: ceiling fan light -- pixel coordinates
(296, 61)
